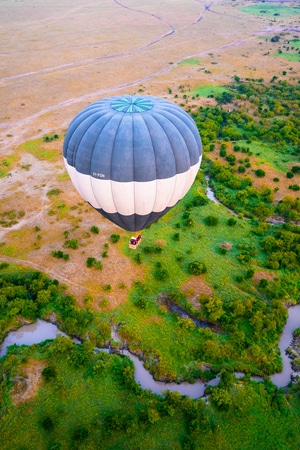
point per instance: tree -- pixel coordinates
(213, 307)
(61, 344)
(222, 398)
(231, 221)
(114, 238)
(225, 97)
(49, 373)
(80, 433)
(260, 173)
(43, 297)
(197, 268)
(211, 221)
(72, 243)
(160, 273)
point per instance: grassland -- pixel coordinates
(84, 399)
(271, 11)
(90, 400)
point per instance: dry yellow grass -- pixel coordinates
(59, 59)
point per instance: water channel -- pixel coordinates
(41, 330)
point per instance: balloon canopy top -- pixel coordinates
(131, 104)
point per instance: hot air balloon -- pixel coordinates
(132, 157)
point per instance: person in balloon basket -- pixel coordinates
(135, 241)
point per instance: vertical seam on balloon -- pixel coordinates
(90, 168)
(119, 215)
(146, 124)
(186, 172)
(170, 145)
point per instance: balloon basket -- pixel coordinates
(134, 242)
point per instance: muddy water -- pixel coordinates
(146, 381)
(34, 333)
(283, 378)
(41, 330)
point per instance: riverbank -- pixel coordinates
(41, 330)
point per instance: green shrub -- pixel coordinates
(289, 174)
(137, 258)
(80, 433)
(160, 273)
(200, 200)
(211, 221)
(107, 287)
(54, 192)
(263, 283)
(141, 303)
(94, 229)
(48, 373)
(231, 221)
(223, 250)
(47, 423)
(114, 238)
(197, 268)
(260, 173)
(296, 169)
(294, 187)
(296, 332)
(104, 302)
(231, 159)
(250, 273)
(72, 243)
(60, 254)
(90, 262)
(148, 249)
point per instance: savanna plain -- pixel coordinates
(208, 292)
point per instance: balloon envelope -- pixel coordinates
(132, 157)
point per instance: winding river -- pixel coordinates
(41, 330)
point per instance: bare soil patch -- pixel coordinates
(27, 384)
(258, 276)
(193, 288)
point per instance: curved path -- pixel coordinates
(10, 125)
(91, 60)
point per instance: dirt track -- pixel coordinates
(52, 68)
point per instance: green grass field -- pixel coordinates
(191, 62)
(279, 159)
(293, 57)
(271, 11)
(40, 149)
(208, 90)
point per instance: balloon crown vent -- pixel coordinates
(132, 104)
